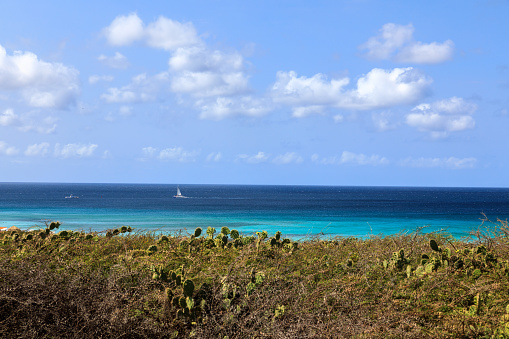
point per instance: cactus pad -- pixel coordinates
(234, 234)
(197, 232)
(188, 287)
(434, 246)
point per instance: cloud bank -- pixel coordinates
(215, 81)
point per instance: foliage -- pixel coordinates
(210, 285)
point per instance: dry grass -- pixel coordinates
(103, 286)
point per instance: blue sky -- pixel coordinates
(387, 93)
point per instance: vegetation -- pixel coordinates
(225, 285)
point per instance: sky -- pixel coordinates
(343, 92)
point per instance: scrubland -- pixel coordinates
(221, 284)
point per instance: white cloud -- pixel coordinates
(28, 122)
(37, 149)
(201, 72)
(324, 161)
(432, 53)
(442, 117)
(395, 42)
(301, 112)
(382, 88)
(209, 78)
(454, 105)
(46, 125)
(168, 34)
(5, 149)
(377, 89)
(200, 59)
(141, 89)
(93, 79)
(124, 30)
(390, 38)
(315, 91)
(451, 162)
(351, 158)
(361, 159)
(214, 157)
(8, 118)
(74, 150)
(383, 121)
(118, 61)
(162, 33)
(41, 84)
(171, 154)
(177, 154)
(149, 151)
(254, 159)
(223, 107)
(288, 158)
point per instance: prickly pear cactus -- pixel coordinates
(408, 271)
(197, 232)
(237, 243)
(262, 235)
(420, 271)
(182, 302)
(63, 234)
(163, 239)
(210, 232)
(278, 235)
(250, 288)
(398, 260)
(434, 246)
(188, 288)
(234, 234)
(481, 250)
(53, 225)
(175, 301)
(152, 249)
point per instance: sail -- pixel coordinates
(178, 191)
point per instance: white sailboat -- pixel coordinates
(179, 194)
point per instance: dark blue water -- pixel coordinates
(294, 210)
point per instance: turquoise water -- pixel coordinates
(297, 211)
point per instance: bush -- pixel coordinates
(408, 285)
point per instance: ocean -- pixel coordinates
(299, 212)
